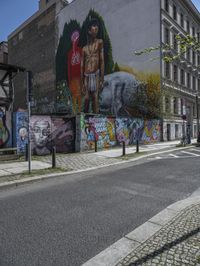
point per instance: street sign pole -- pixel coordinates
(29, 89)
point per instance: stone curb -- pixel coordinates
(120, 249)
(16, 183)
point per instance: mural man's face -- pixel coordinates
(41, 133)
(93, 31)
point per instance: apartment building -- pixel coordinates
(4, 52)
(32, 45)
(182, 77)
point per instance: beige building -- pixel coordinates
(181, 78)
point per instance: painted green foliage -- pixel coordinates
(64, 46)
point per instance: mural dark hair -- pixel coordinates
(92, 22)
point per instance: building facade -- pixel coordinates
(32, 45)
(180, 78)
(4, 52)
(54, 41)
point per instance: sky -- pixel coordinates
(15, 12)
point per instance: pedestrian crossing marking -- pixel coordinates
(173, 155)
(190, 153)
(194, 150)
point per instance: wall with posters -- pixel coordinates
(5, 129)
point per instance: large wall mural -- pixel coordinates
(93, 82)
(20, 131)
(152, 131)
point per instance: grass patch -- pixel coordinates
(39, 172)
(132, 155)
(198, 259)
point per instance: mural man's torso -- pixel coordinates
(92, 56)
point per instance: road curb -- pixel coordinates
(16, 183)
(120, 249)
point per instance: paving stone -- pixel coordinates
(172, 245)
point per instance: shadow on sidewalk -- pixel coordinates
(164, 248)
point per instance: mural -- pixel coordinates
(129, 130)
(47, 132)
(5, 129)
(40, 134)
(84, 60)
(83, 56)
(63, 98)
(152, 129)
(20, 131)
(63, 134)
(101, 129)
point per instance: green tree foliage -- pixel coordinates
(64, 47)
(185, 43)
(103, 34)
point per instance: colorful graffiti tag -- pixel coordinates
(129, 130)
(100, 129)
(20, 131)
(151, 131)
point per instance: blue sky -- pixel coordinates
(15, 12)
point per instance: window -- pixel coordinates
(167, 70)
(193, 31)
(198, 37)
(175, 44)
(188, 81)
(167, 40)
(198, 60)
(175, 73)
(194, 83)
(182, 20)
(188, 26)
(167, 5)
(167, 104)
(174, 12)
(175, 105)
(198, 84)
(194, 58)
(182, 77)
(188, 54)
(182, 106)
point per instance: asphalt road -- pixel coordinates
(66, 221)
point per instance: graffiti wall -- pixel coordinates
(110, 132)
(47, 132)
(101, 129)
(63, 134)
(152, 131)
(5, 129)
(20, 131)
(96, 62)
(129, 130)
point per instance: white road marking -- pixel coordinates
(190, 153)
(173, 155)
(194, 150)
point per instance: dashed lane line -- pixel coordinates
(173, 155)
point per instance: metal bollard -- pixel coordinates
(54, 157)
(95, 145)
(137, 146)
(123, 148)
(26, 152)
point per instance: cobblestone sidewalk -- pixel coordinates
(177, 243)
(80, 161)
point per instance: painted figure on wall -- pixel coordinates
(92, 67)
(74, 71)
(4, 132)
(41, 129)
